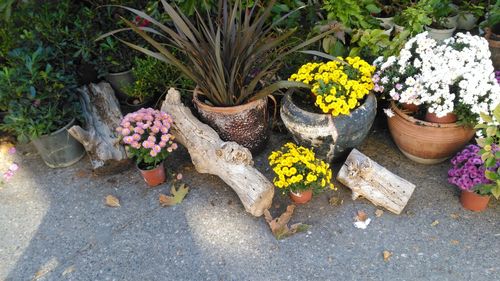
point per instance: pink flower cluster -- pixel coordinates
(148, 129)
(12, 168)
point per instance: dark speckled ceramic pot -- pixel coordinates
(331, 137)
(245, 124)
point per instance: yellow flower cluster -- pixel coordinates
(337, 85)
(298, 169)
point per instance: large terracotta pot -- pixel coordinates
(473, 201)
(155, 176)
(245, 124)
(494, 48)
(426, 142)
(331, 137)
(301, 197)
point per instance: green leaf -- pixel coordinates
(495, 191)
(486, 117)
(176, 198)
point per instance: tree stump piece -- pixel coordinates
(102, 116)
(368, 179)
(228, 160)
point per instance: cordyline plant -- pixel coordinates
(227, 57)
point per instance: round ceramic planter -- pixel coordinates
(440, 34)
(155, 176)
(494, 48)
(386, 21)
(426, 142)
(245, 124)
(451, 22)
(59, 149)
(388, 28)
(301, 197)
(473, 201)
(399, 28)
(119, 81)
(331, 137)
(466, 21)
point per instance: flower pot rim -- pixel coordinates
(370, 98)
(119, 73)
(419, 122)
(224, 109)
(438, 30)
(65, 127)
(159, 164)
(470, 191)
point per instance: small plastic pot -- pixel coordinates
(155, 176)
(473, 201)
(301, 197)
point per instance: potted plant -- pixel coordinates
(336, 111)
(444, 19)
(351, 13)
(147, 139)
(469, 12)
(413, 18)
(227, 58)
(441, 82)
(42, 105)
(468, 172)
(152, 79)
(492, 32)
(299, 172)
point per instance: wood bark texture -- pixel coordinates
(102, 116)
(228, 160)
(368, 179)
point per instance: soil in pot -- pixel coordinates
(301, 197)
(473, 201)
(59, 149)
(427, 142)
(153, 177)
(332, 138)
(132, 104)
(247, 124)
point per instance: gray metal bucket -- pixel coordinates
(59, 149)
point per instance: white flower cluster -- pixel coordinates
(441, 76)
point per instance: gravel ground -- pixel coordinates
(54, 225)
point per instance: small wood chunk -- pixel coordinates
(378, 185)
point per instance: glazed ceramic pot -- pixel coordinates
(494, 47)
(440, 34)
(301, 197)
(473, 201)
(246, 124)
(59, 149)
(155, 176)
(447, 119)
(427, 142)
(466, 21)
(119, 81)
(330, 137)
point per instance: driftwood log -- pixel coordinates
(230, 161)
(368, 179)
(102, 116)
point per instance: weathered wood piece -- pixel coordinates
(230, 161)
(102, 115)
(368, 179)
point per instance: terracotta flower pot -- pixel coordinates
(473, 201)
(331, 137)
(301, 197)
(447, 119)
(494, 47)
(410, 107)
(245, 124)
(154, 176)
(427, 142)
